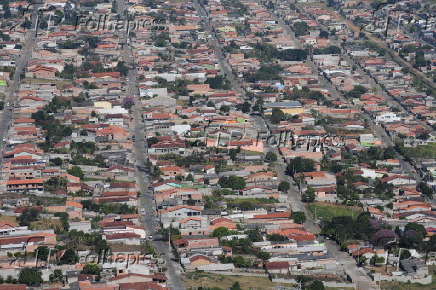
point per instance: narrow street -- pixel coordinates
(146, 200)
(214, 43)
(20, 65)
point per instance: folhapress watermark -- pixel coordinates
(112, 22)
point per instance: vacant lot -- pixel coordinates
(325, 211)
(194, 280)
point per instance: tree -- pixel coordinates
(418, 228)
(6, 10)
(277, 115)
(316, 285)
(302, 280)
(383, 237)
(190, 202)
(190, 177)
(356, 92)
(323, 34)
(298, 165)
(166, 232)
(376, 260)
(405, 254)
(301, 28)
(30, 277)
(275, 237)
(298, 216)
(431, 244)
(42, 253)
(221, 232)
(56, 161)
(271, 156)
(57, 276)
(236, 286)
(264, 256)
(233, 182)
(309, 195)
(27, 216)
(68, 257)
(292, 55)
(76, 171)
(156, 172)
(284, 186)
(244, 107)
(128, 103)
(254, 235)
(91, 269)
(218, 83)
(224, 109)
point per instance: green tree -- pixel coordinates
(220, 232)
(315, 285)
(275, 237)
(301, 28)
(76, 171)
(56, 161)
(233, 182)
(190, 177)
(224, 109)
(271, 156)
(277, 115)
(244, 107)
(68, 257)
(376, 260)
(284, 186)
(27, 216)
(236, 286)
(30, 277)
(42, 253)
(57, 276)
(309, 195)
(264, 256)
(6, 10)
(298, 165)
(298, 216)
(254, 235)
(91, 269)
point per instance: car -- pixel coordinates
(150, 237)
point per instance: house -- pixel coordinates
(277, 267)
(178, 213)
(167, 147)
(399, 180)
(34, 184)
(387, 117)
(123, 238)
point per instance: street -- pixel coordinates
(149, 221)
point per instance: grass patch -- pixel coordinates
(327, 211)
(248, 152)
(194, 280)
(45, 223)
(8, 219)
(407, 286)
(425, 151)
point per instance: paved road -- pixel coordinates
(349, 264)
(20, 65)
(217, 47)
(146, 201)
